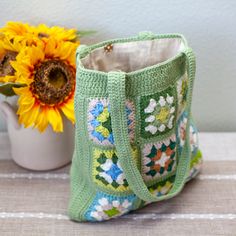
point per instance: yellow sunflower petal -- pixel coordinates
(33, 115)
(50, 47)
(27, 110)
(29, 117)
(8, 78)
(21, 90)
(36, 55)
(12, 44)
(22, 74)
(56, 32)
(55, 119)
(71, 34)
(68, 110)
(66, 51)
(26, 104)
(26, 98)
(15, 28)
(42, 120)
(24, 109)
(42, 29)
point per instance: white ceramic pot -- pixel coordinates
(38, 151)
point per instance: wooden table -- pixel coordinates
(35, 203)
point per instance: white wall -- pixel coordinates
(209, 26)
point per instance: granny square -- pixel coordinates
(99, 121)
(158, 113)
(159, 159)
(107, 171)
(105, 206)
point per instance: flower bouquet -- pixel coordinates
(37, 65)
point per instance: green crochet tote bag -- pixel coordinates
(135, 140)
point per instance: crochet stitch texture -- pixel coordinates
(135, 140)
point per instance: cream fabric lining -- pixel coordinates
(132, 56)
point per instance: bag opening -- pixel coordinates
(132, 56)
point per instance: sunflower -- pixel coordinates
(59, 33)
(9, 48)
(48, 72)
(16, 29)
(34, 35)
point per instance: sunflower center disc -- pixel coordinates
(5, 65)
(53, 82)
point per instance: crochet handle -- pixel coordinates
(116, 92)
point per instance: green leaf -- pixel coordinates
(83, 33)
(7, 88)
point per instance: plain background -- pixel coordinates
(209, 26)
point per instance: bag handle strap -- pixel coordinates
(116, 88)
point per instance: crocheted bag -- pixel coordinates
(135, 139)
